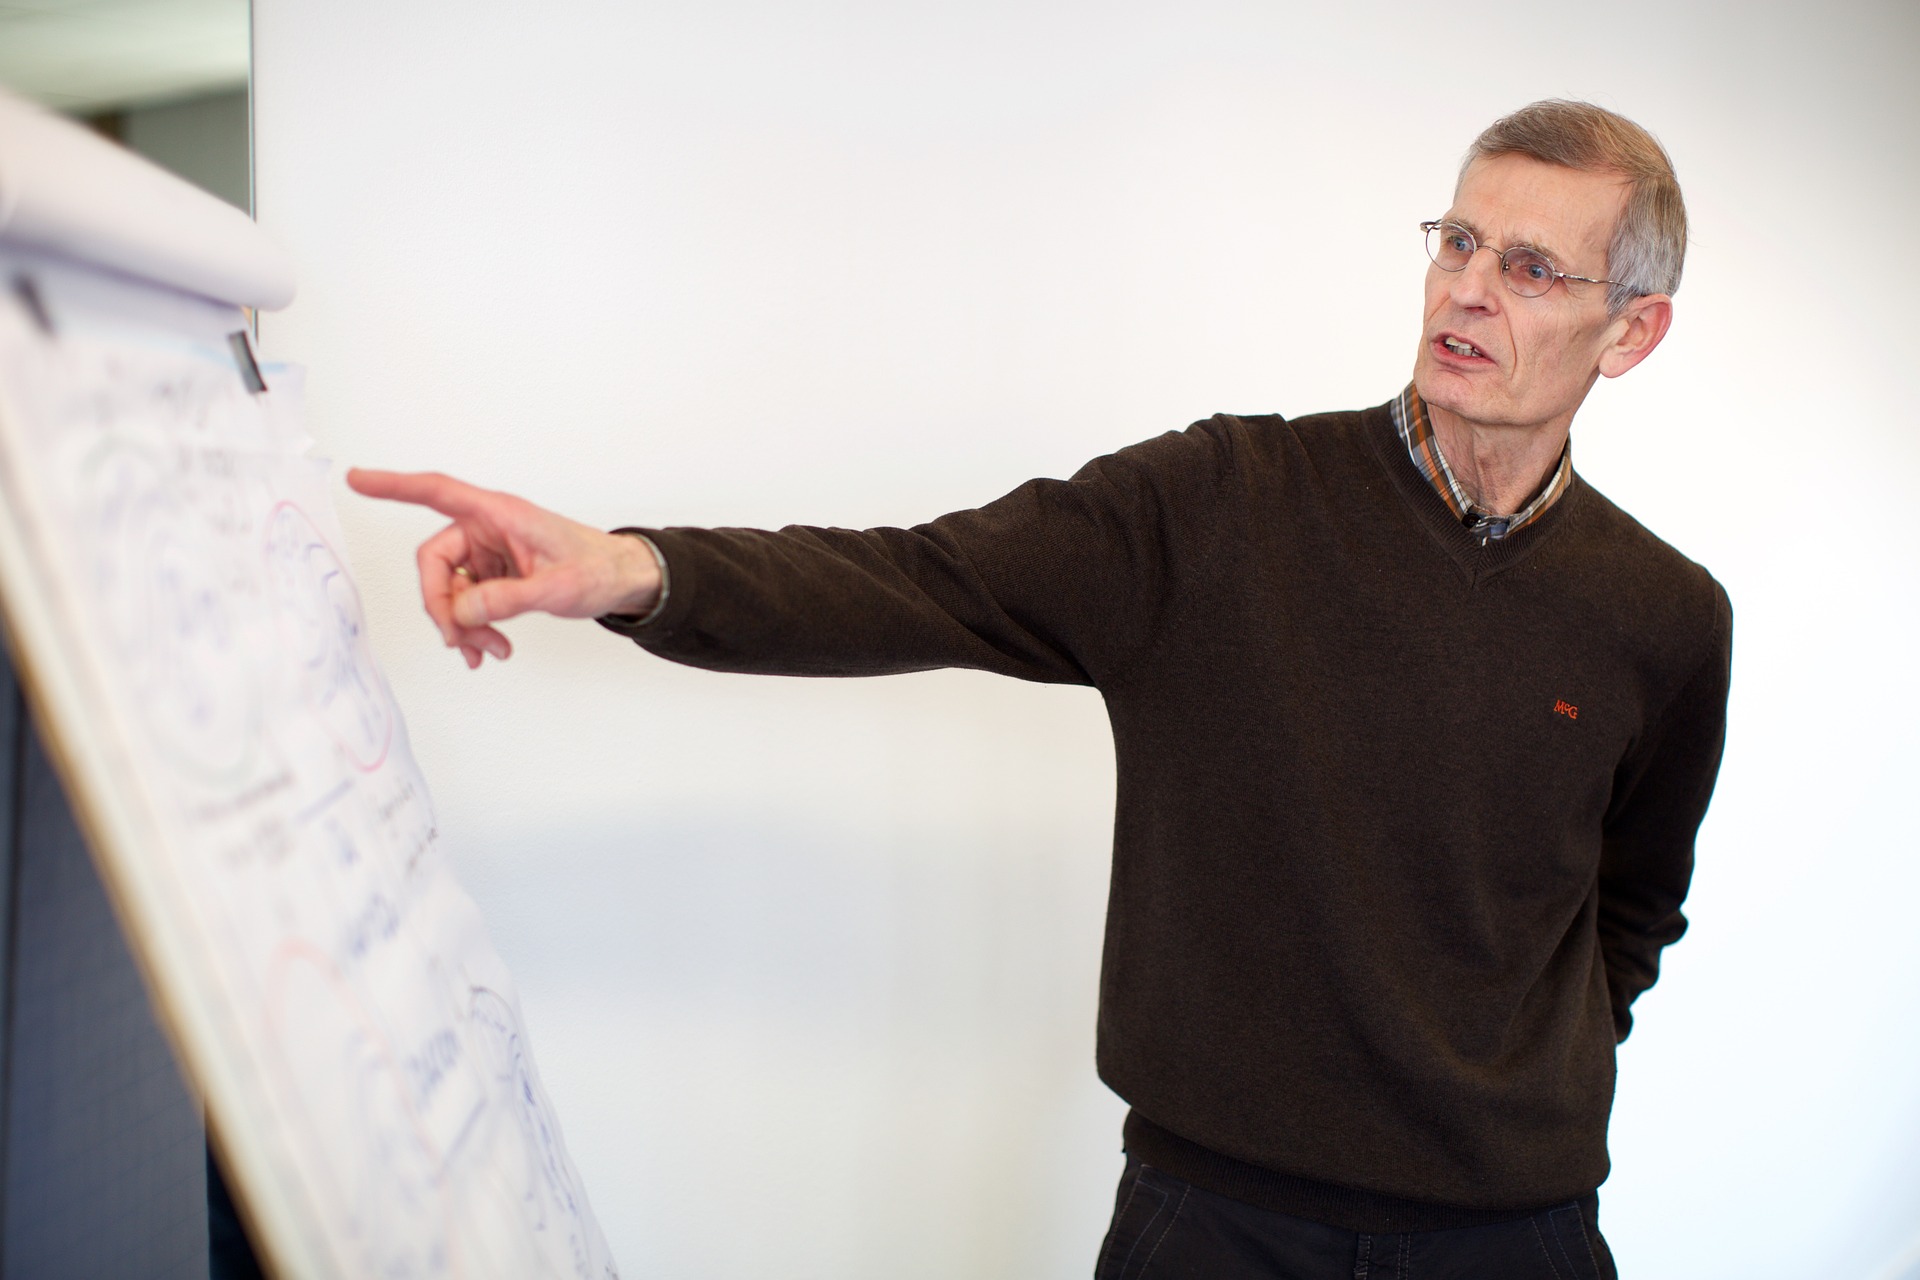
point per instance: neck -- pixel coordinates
(1500, 467)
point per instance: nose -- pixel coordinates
(1478, 285)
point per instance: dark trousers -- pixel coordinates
(1167, 1229)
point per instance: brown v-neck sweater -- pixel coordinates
(1403, 820)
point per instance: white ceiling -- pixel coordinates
(86, 56)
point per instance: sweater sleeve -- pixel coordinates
(1660, 797)
(1060, 581)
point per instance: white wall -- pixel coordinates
(811, 966)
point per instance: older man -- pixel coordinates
(1413, 727)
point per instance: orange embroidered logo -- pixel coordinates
(1567, 709)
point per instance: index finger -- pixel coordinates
(443, 493)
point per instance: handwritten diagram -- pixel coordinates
(169, 609)
(317, 609)
(357, 1039)
(544, 1181)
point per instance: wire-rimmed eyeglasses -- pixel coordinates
(1528, 272)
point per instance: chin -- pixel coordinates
(1436, 394)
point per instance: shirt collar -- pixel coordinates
(1416, 431)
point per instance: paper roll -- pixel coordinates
(66, 190)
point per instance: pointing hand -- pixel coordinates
(502, 556)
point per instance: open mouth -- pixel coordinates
(1464, 349)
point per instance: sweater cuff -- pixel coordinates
(629, 624)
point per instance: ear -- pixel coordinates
(1635, 332)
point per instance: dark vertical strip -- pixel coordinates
(230, 1254)
(106, 1154)
(253, 190)
(13, 759)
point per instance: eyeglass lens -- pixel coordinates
(1526, 272)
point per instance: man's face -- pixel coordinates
(1533, 358)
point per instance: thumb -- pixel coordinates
(494, 600)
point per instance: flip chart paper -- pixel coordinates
(175, 584)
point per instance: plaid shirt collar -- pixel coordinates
(1410, 420)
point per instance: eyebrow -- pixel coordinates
(1478, 238)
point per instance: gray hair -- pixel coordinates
(1650, 242)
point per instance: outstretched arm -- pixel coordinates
(503, 556)
(1060, 580)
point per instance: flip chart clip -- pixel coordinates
(243, 357)
(29, 294)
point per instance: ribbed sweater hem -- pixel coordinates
(1324, 1202)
